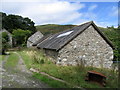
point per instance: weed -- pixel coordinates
(74, 75)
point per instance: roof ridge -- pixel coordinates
(58, 43)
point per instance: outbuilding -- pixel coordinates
(84, 44)
(35, 37)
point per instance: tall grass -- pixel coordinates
(72, 74)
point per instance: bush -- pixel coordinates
(5, 45)
(21, 36)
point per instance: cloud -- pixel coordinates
(92, 7)
(114, 11)
(59, 12)
(28, 1)
(60, 0)
(55, 11)
(106, 23)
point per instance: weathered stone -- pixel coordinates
(88, 49)
(35, 37)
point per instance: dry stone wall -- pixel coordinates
(88, 49)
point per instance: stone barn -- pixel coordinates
(84, 44)
(35, 37)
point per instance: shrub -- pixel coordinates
(5, 45)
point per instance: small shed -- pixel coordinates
(34, 38)
(96, 77)
(84, 44)
(10, 36)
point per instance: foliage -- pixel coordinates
(5, 36)
(5, 44)
(10, 22)
(75, 75)
(21, 36)
(114, 35)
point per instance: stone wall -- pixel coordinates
(51, 53)
(35, 37)
(29, 44)
(88, 49)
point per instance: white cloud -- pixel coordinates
(92, 7)
(105, 23)
(28, 0)
(59, 12)
(60, 0)
(52, 11)
(85, 17)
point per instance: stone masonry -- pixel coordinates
(88, 49)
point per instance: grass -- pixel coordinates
(75, 75)
(2, 57)
(51, 82)
(26, 58)
(12, 61)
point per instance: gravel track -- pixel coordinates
(19, 77)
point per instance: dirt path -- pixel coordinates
(2, 69)
(19, 77)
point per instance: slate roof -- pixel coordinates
(59, 40)
(35, 37)
(41, 40)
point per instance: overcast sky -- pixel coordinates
(64, 11)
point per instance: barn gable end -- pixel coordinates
(84, 44)
(88, 48)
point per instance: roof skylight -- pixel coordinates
(64, 34)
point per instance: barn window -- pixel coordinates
(64, 34)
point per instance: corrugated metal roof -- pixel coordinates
(57, 41)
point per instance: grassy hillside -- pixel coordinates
(53, 28)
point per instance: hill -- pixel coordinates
(53, 28)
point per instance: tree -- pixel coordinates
(21, 36)
(5, 36)
(10, 22)
(5, 44)
(118, 27)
